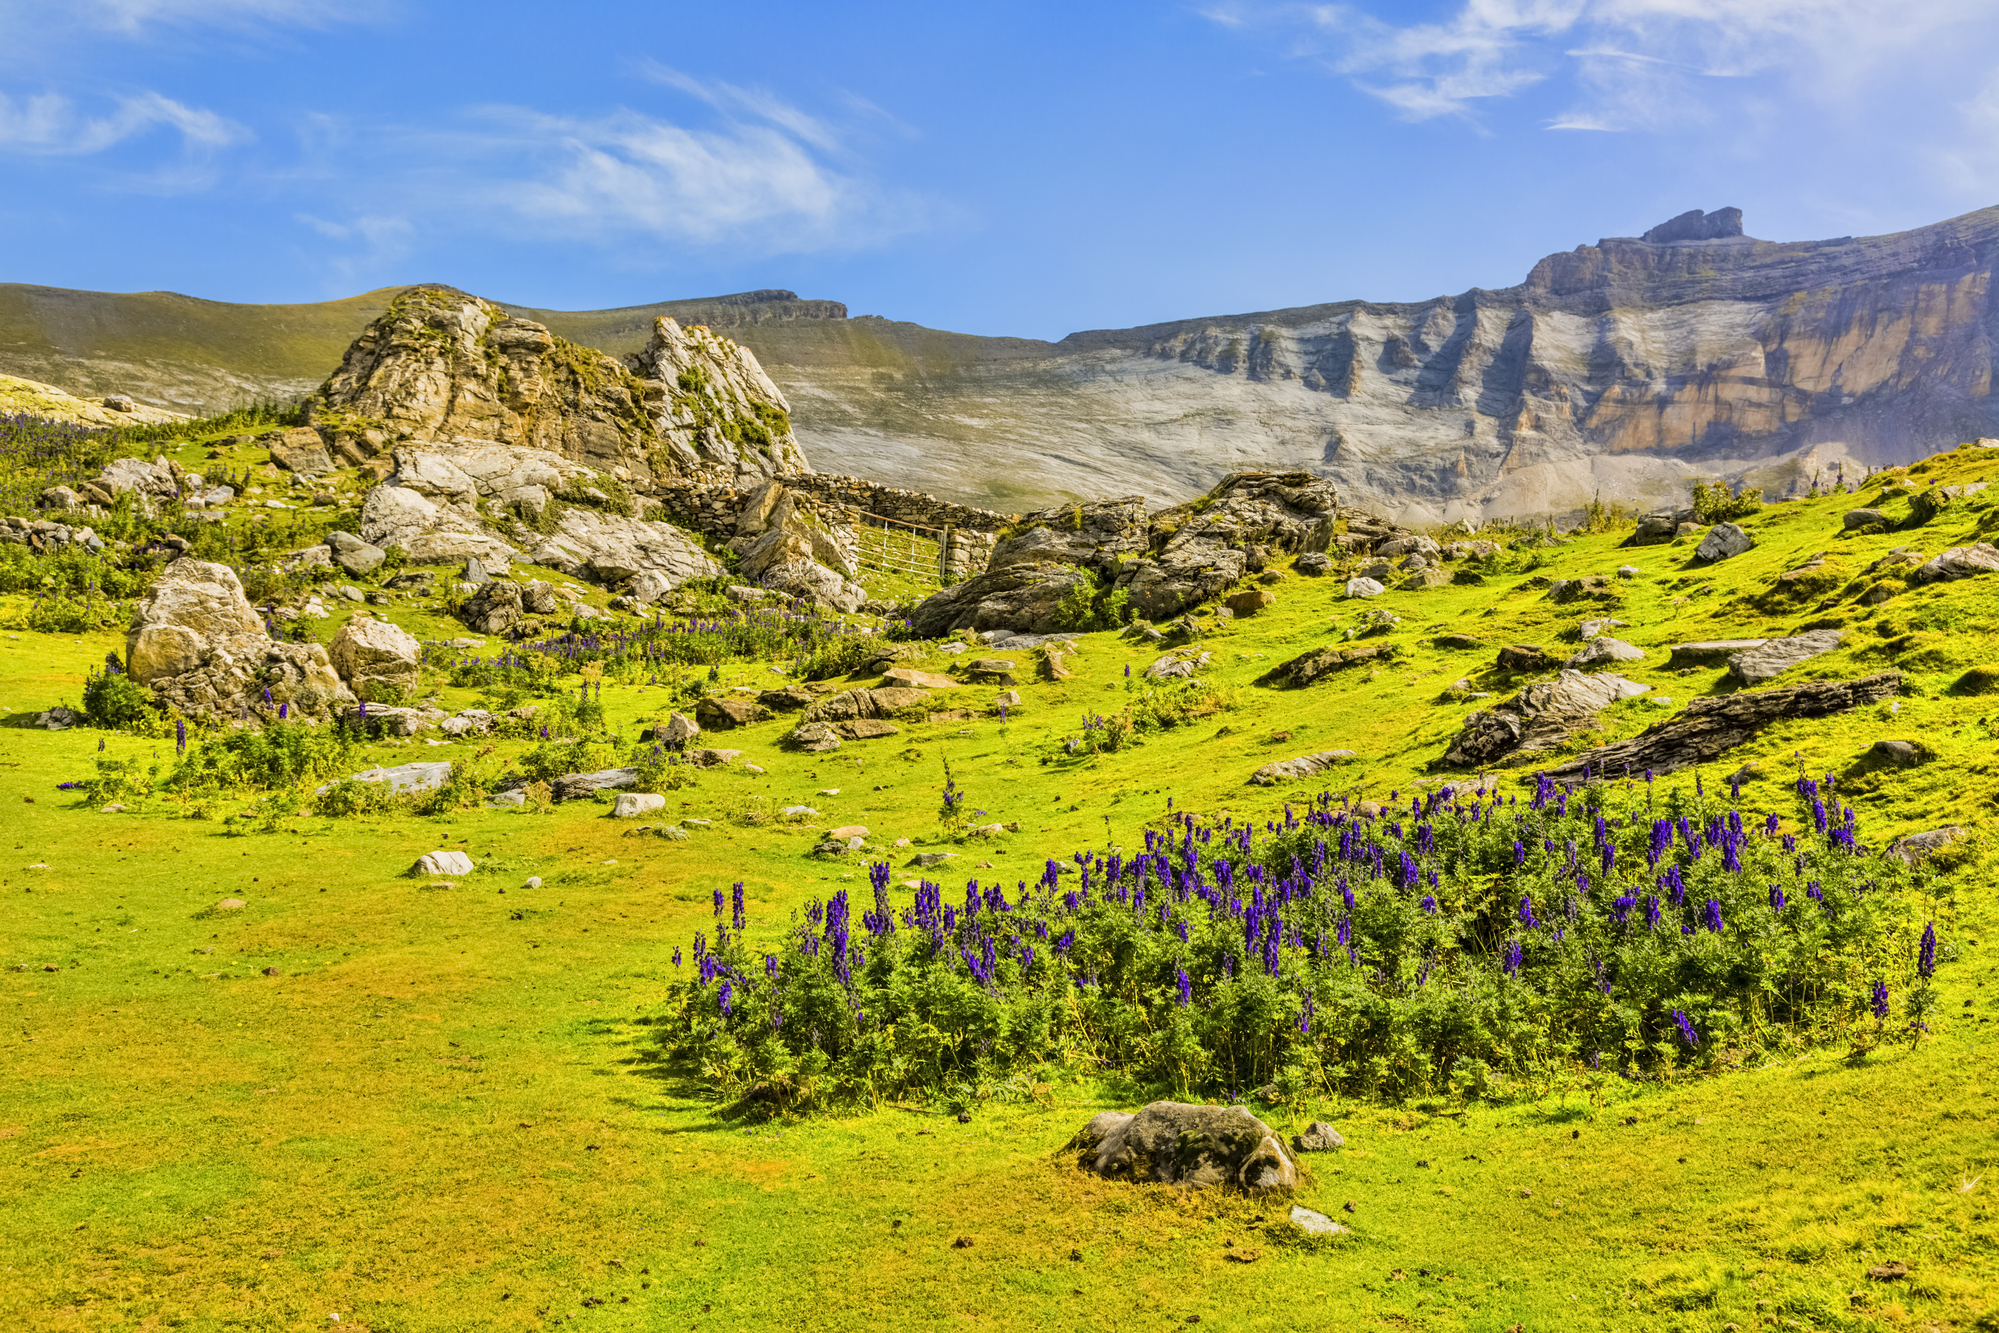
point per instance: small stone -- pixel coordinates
(1318, 1137)
(1316, 1224)
(797, 811)
(927, 859)
(1629, 571)
(1365, 587)
(534, 882)
(1251, 600)
(1862, 518)
(1902, 754)
(442, 863)
(1891, 1271)
(847, 831)
(229, 905)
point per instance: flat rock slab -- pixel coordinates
(864, 729)
(1194, 1147)
(582, 786)
(1707, 727)
(1304, 766)
(405, 777)
(911, 678)
(1708, 652)
(1773, 657)
(442, 863)
(1603, 651)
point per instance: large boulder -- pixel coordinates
(192, 609)
(1094, 536)
(378, 660)
(1021, 597)
(494, 609)
(1724, 540)
(198, 643)
(1539, 718)
(610, 548)
(1199, 550)
(156, 478)
(1194, 1147)
(300, 449)
(1959, 562)
(431, 533)
(1707, 727)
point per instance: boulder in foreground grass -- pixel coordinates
(442, 863)
(1722, 541)
(1709, 726)
(1920, 846)
(1194, 1147)
(1540, 717)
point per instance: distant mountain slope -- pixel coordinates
(1624, 367)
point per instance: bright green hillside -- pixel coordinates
(422, 1107)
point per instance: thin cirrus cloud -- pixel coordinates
(52, 125)
(1621, 64)
(766, 177)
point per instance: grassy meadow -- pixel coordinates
(365, 1101)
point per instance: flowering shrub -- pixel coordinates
(1442, 946)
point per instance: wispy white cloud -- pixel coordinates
(1629, 64)
(765, 176)
(134, 17)
(50, 124)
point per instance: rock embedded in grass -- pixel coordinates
(1866, 518)
(813, 738)
(723, 712)
(1315, 1224)
(1959, 562)
(1524, 657)
(1602, 651)
(1364, 587)
(1920, 846)
(442, 863)
(1303, 766)
(1709, 652)
(1194, 1147)
(1723, 541)
(1707, 727)
(582, 786)
(1773, 657)
(1318, 1137)
(632, 804)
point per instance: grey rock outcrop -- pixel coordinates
(1959, 562)
(1304, 766)
(1199, 550)
(1709, 652)
(1319, 663)
(1724, 540)
(1707, 727)
(1919, 847)
(1538, 719)
(1773, 657)
(1865, 518)
(789, 545)
(197, 642)
(1194, 1147)
(1602, 650)
(1318, 1137)
(431, 533)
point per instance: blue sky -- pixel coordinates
(1019, 169)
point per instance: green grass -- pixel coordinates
(443, 1110)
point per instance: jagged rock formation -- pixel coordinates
(1076, 554)
(439, 365)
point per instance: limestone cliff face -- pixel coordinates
(438, 365)
(1626, 367)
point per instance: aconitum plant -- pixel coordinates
(1455, 944)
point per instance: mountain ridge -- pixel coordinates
(1624, 368)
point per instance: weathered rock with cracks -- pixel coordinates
(1304, 766)
(1194, 1147)
(1707, 727)
(1538, 719)
(1772, 657)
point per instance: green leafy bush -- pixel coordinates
(113, 699)
(1714, 503)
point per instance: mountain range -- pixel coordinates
(1622, 369)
